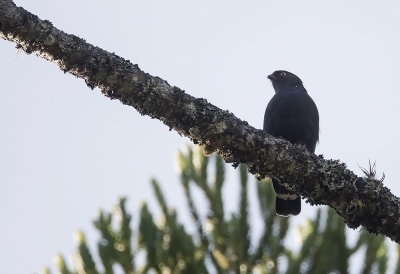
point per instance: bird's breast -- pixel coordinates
(292, 115)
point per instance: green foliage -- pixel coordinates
(115, 244)
(222, 242)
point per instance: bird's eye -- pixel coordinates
(283, 73)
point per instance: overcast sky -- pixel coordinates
(67, 151)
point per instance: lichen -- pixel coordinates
(191, 109)
(50, 39)
(218, 127)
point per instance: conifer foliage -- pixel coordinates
(219, 241)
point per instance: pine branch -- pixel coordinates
(83, 258)
(360, 201)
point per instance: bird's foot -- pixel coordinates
(301, 146)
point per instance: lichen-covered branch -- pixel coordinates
(360, 201)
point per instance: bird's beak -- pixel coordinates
(271, 77)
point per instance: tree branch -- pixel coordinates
(360, 201)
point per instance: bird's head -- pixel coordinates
(284, 79)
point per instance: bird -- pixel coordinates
(292, 115)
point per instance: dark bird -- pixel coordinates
(292, 115)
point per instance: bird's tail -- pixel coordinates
(287, 202)
(287, 207)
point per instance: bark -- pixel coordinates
(360, 201)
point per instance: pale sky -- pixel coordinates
(67, 151)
